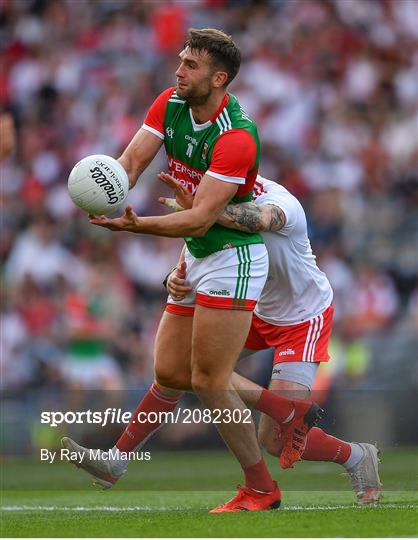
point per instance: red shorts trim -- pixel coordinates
(220, 302)
(175, 309)
(211, 302)
(304, 342)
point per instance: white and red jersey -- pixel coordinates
(296, 290)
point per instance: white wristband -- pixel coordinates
(173, 205)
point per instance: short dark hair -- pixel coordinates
(224, 52)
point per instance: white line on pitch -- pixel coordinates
(24, 508)
(353, 507)
(81, 508)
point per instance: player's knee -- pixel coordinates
(200, 381)
(172, 379)
(204, 380)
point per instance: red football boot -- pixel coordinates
(294, 435)
(249, 500)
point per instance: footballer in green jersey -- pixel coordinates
(225, 147)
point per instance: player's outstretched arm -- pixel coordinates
(251, 218)
(248, 217)
(211, 197)
(139, 153)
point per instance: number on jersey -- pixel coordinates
(189, 150)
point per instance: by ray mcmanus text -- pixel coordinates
(92, 454)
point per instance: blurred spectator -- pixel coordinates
(39, 255)
(86, 332)
(373, 303)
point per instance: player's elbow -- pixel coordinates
(263, 223)
(201, 231)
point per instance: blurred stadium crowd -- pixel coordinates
(333, 88)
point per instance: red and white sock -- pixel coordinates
(137, 432)
(279, 408)
(355, 457)
(323, 447)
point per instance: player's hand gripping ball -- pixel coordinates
(98, 184)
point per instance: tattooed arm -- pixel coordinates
(249, 217)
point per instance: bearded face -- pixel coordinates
(195, 76)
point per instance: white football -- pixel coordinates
(98, 184)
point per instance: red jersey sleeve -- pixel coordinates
(233, 156)
(154, 120)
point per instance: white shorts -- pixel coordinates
(229, 279)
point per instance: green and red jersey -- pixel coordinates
(225, 147)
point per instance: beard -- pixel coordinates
(195, 95)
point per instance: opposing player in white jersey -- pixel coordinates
(293, 315)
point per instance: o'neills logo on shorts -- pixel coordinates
(287, 352)
(101, 180)
(220, 293)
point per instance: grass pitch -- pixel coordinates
(170, 497)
